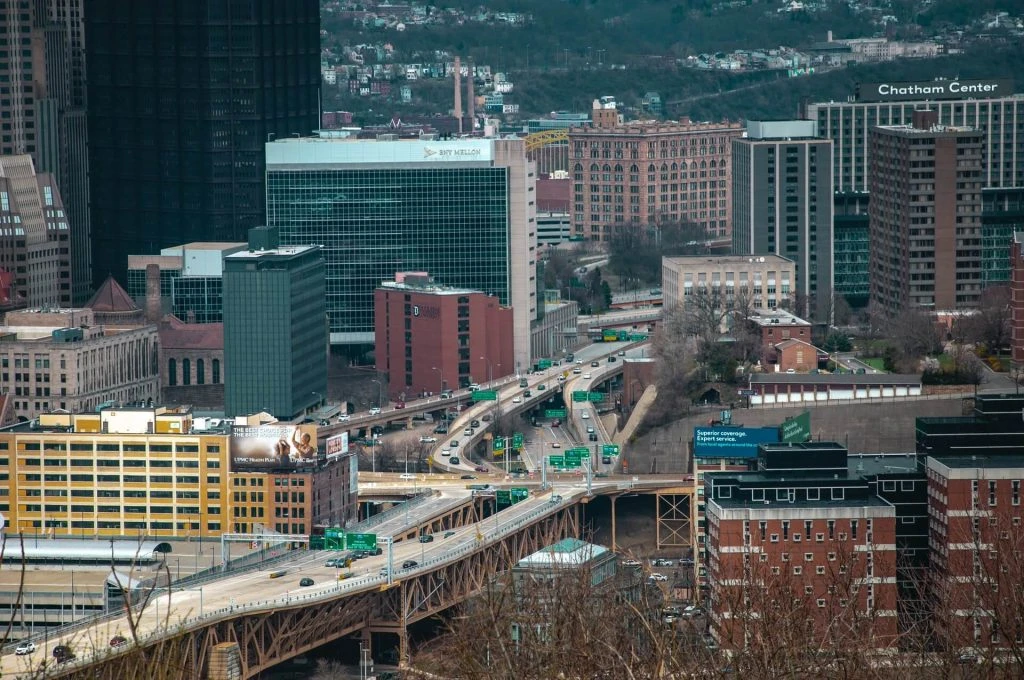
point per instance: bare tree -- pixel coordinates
(914, 334)
(991, 324)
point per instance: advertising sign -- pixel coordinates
(934, 89)
(273, 447)
(796, 429)
(731, 442)
(337, 446)
(361, 541)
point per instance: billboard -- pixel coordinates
(731, 442)
(796, 429)
(275, 446)
(934, 89)
(337, 446)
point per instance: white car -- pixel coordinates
(586, 376)
(407, 476)
(585, 415)
(517, 400)
(428, 440)
(577, 371)
(344, 418)
(375, 411)
(446, 452)
(25, 648)
(657, 577)
(556, 445)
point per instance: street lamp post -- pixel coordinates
(490, 370)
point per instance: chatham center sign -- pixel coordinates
(934, 89)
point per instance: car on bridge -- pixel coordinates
(375, 411)
(446, 452)
(594, 364)
(409, 564)
(586, 376)
(118, 641)
(344, 418)
(428, 440)
(25, 648)
(305, 582)
(454, 460)
(517, 400)
(427, 538)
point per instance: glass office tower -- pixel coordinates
(460, 210)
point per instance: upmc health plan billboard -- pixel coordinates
(279, 447)
(731, 442)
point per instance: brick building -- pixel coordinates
(925, 183)
(649, 172)
(775, 326)
(192, 362)
(803, 538)
(797, 356)
(431, 338)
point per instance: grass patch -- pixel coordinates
(877, 363)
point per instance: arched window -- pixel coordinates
(578, 167)
(634, 168)
(618, 168)
(714, 164)
(664, 167)
(594, 167)
(200, 372)
(651, 168)
(216, 371)
(186, 372)
(674, 167)
(172, 372)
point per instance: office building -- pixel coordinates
(191, 284)
(782, 204)
(804, 529)
(633, 175)
(987, 105)
(431, 338)
(35, 242)
(275, 328)
(182, 97)
(925, 183)
(994, 426)
(43, 109)
(758, 284)
(1002, 215)
(60, 359)
(1017, 298)
(850, 251)
(159, 471)
(462, 210)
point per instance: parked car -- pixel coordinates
(375, 411)
(657, 577)
(662, 562)
(692, 611)
(305, 582)
(25, 648)
(631, 563)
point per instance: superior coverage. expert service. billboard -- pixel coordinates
(731, 442)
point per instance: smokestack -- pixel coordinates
(472, 99)
(458, 93)
(153, 307)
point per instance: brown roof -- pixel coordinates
(111, 297)
(794, 341)
(176, 334)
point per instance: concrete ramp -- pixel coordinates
(637, 416)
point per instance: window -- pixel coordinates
(831, 557)
(853, 529)
(172, 372)
(762, 527)
(200, 372)
(813, 494)
(186, 372)
(821, 602)
(808, 557)
(820, 538)
(785, 530)
(889, 486)
(797, 571)
(775, 538)
(820, 571)
(216, 371)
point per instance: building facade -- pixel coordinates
(1002, 215)
(275, 328)
(431, 338)
(464, 210)
(1017, 298)
(43, 109)
(762, 283)
(925, 216)
(35, 243)
(59, 359)
(997, 113)
(777, 326)
(782, 204)
(851, 250)
(182, 98)
(191, 362)
(191, 284)
(634, 175)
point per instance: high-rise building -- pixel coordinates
(432, 338)
(463, 210)
(43, 109)
(782, 204)
(636, 174)
(850, 229)
(1002, 215)
(182, 97)
(35, 244)
(987, 105)
(275, 328)
(925, 215)
(1017, 298)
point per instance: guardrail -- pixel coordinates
(382, 517)
(364, 584)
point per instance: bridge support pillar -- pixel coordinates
(613, 499)
(225, 662)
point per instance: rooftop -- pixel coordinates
(988, 462)
(696, 260)
(881, 463)
(835, 379)
(930, 130)
(280, 252)
(111, 297)
(777, 318)
(867, 501)
(569, 552)
(431, 288)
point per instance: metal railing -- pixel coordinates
(390, 513)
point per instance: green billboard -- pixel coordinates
(361, 541)
(484, 395)
(609, 449)
(554, 413)
(796, 429)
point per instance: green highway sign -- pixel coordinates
(503, 497)
(519, 493)
(610, 450)
(498, 444)
(580, 395)
(485, 395)
(361, 541)
(334, 539)
(554, 413)
(544, 363)
(556, 461)
(517, 440)
(796, 429)
(572, 462)
(596, 396)
(577, 452)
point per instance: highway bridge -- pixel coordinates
(243, 624)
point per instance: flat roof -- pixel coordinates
(981, 461)
(431, 289)
(569, 552)
(835, 379)
(727, 259)
(779, 318)
(881, 463)
(869, 501)
(283, 251)
(33, 548)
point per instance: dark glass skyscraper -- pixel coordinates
(182, 96)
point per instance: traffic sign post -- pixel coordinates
(498, 444)
(595, 396)
(517, 441)
(334, 538)
(361, 541)
(557, 461)
(503, 497)
(484, 395)
(519, 493)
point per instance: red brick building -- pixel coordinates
(648, 172)
(775, 326)
(1017, 297)
(976, 540)
(786, 549)
(797, 356)
(430, 338)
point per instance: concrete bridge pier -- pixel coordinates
(225, 662)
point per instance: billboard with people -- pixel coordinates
(274, 446)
